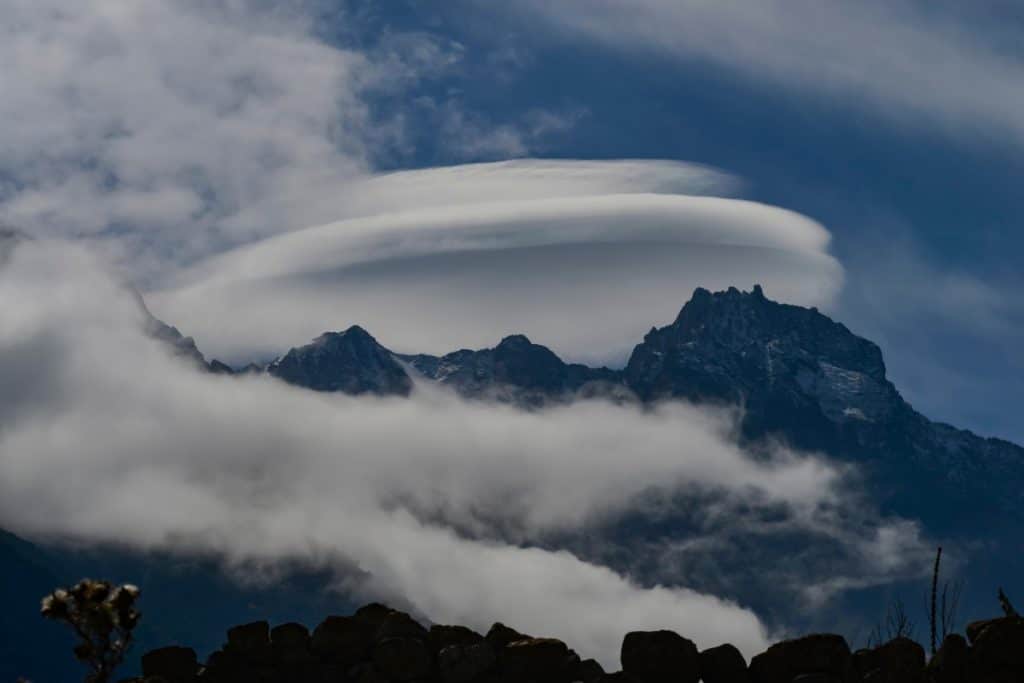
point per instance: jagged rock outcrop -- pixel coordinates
(950, 663)
(351, 362)
(996, 652)
(653, 656)
(180, 345)
(792, 369)
(824, 655)
(515, 371)
(380, 644)
(723, 664)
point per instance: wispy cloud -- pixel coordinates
(940, 64)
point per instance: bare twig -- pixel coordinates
(1007, 606)
(932, 620)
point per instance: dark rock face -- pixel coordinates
(825, 654)
(997, 651)
(901, 660)
(290, 637)
(351, 362)
(173, 664)
(342, 639)
(465, 662)
(515, 371)
(723, 664)
(537, 659)
(249, 637)
(949, 665)
(402, 659)
(793, 369)
(803, 378)
(380, 645)
(654, 656)
(589, 671)
(441, 636)
(500, 635)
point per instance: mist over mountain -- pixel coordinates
(793, 373)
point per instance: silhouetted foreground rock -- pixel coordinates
(380, 645)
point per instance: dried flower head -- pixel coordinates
(102, 616)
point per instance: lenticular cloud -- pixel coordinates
(437, 259)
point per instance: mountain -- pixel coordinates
(351, 362)
(798, 376)
(809, 381)
(515, 371)
(182, 346)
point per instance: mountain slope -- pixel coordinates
(798, 377)
(515, 371)
(351, 362)
(809, 381)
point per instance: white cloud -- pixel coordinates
(913, 62)
(110, 439)
(438, 259)
(170, 128)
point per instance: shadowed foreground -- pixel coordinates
(378, 644)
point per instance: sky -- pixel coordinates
(444, 174)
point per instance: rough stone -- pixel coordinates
(441, 636)
(536, 659)
(500, 635)
(998, 651)
(173, 664)
(461, 663)
(402, 659)
(588, 671)
(949, 665)
(819, 653)
(290, 636)
(249, 637)
(400, 625)
(343, 639)
(902, 661)
(723, 664)
(656, 656)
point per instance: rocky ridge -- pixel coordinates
(378, 645)
(797, 376)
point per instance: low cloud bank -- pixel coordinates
(105, 438)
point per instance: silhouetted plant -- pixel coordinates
(1007, 606)
(932, 616)
(102, 616)
(897, 624)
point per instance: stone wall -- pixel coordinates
(378, 645)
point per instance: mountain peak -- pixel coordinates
(352, 362)
(515, 341)
(352, 335)
(781, 362)
(704, 302)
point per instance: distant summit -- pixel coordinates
(515, 371)
(792, 369)
(351, 362)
